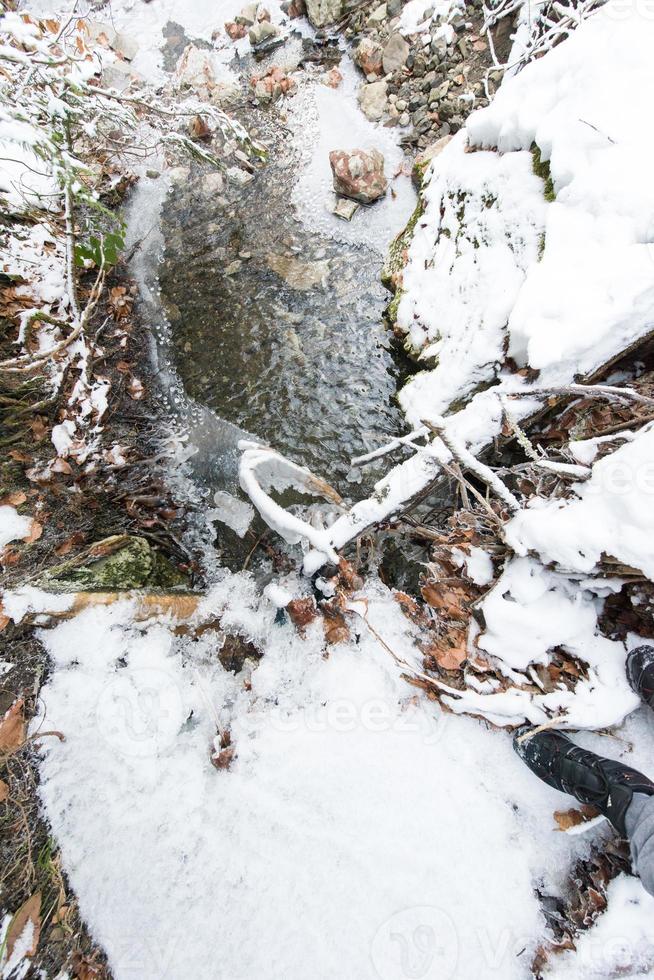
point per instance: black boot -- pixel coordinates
(640, 673)
(602, 783)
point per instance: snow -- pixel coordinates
(620, 943)
(565, 284)
(612, 515)
(13, 526)
(331, 840)
(18, 963)
(478, 565)
(415, 17)
(231, 511)
(361, 832)
(323, 119)
(62, 437)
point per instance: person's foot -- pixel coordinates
(590, 778)
(640, 673)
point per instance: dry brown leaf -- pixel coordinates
(223, 759)
(302, 612)
(12, 727)
(566, 819)
(4, 791)
(76, 539)
(61, 466)
(335, 627)
(28, 914)
(35, 533)
(39, 428)
(14, 499)
(9, 556)
(450, 651)
(87, 968)
(19, 456)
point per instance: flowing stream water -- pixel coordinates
(268, 310)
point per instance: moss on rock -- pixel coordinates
(391, 275)
(542, 169)
(121, 562)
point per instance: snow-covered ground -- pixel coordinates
(359, 833)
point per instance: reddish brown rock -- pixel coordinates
(368, 56)
(274, 83)
(235, 31)
(333, 78)
(358, 174)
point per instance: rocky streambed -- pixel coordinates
(267, 306)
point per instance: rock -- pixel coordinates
(125, 46)
(333, 78)
(100, 33)
(298, 274)
(272, 85)
(395, 54)
(323, 12)
(423, 159)
(213, 183)
(379, 15)
(345, 208)
(358, 174)
(248, 15)
(294, 8)
(372, 99)
(261, 32)
(119, 76)
(235, 31)
(178, 175)
(122, 561)
(368, 56)
(394, 8)
(196, 71)
(404, 119)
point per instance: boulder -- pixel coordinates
(372, 99)
(323, 12)
(395, 54)
(358, 174)
(368, 56)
